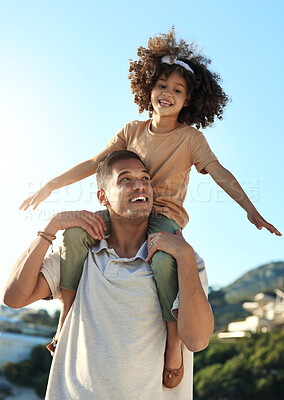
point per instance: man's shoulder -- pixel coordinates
(50, 269)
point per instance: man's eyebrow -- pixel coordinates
(129, 172)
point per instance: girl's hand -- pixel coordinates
(173, 244)
(36, 198)
(255, 218)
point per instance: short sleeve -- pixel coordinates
(118, 142)
(203, 279)
(201, 154)
(50, 269)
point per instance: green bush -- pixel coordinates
(248, 368)
(40, 385)
(33, 372)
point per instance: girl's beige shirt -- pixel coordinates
(168, 158)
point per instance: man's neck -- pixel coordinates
(127, 235)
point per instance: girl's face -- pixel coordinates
(169, 95)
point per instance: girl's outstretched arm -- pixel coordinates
(230, 185)
(73, 175)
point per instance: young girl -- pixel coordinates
(171, 80)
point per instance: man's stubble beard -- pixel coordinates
(133, 219)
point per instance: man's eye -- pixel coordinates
(124, 180)
(146, 178)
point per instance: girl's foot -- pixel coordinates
(173, 369)
(173, 356)
(51, 347)
(68, 297)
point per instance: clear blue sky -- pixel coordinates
(65, 93)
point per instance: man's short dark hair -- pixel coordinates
(104, 170)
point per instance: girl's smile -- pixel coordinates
(169, 95)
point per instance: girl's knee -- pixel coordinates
(75, 235)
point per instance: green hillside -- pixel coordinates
(262, 279)
(227, 302)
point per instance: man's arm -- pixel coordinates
(195, 319)
(25, 283)
(230, 185)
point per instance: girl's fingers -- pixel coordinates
(25, 204)
(272, 229)
(268, 226)
(22, 205)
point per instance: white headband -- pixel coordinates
(167, 60)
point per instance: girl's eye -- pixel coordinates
(177, 91)
(162, 86)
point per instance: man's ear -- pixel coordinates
(102, 197)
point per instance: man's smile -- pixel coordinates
(142, 199)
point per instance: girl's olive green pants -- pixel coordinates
(76, 244)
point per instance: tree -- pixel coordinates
(250, 368)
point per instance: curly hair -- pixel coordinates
(205, 97)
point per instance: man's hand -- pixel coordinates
(36, 198)
(91, 222)
(173, 244)
(255, 218)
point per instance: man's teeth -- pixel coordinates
(141, 198)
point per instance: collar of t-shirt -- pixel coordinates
(142, 253)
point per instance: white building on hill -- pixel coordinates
(267, 313)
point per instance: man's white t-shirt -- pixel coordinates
(113, 340)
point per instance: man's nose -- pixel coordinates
(138, 184)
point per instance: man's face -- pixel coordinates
(129, 193)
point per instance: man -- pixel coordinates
(113, 340)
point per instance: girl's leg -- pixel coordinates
(165, 274)
(173, 356)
